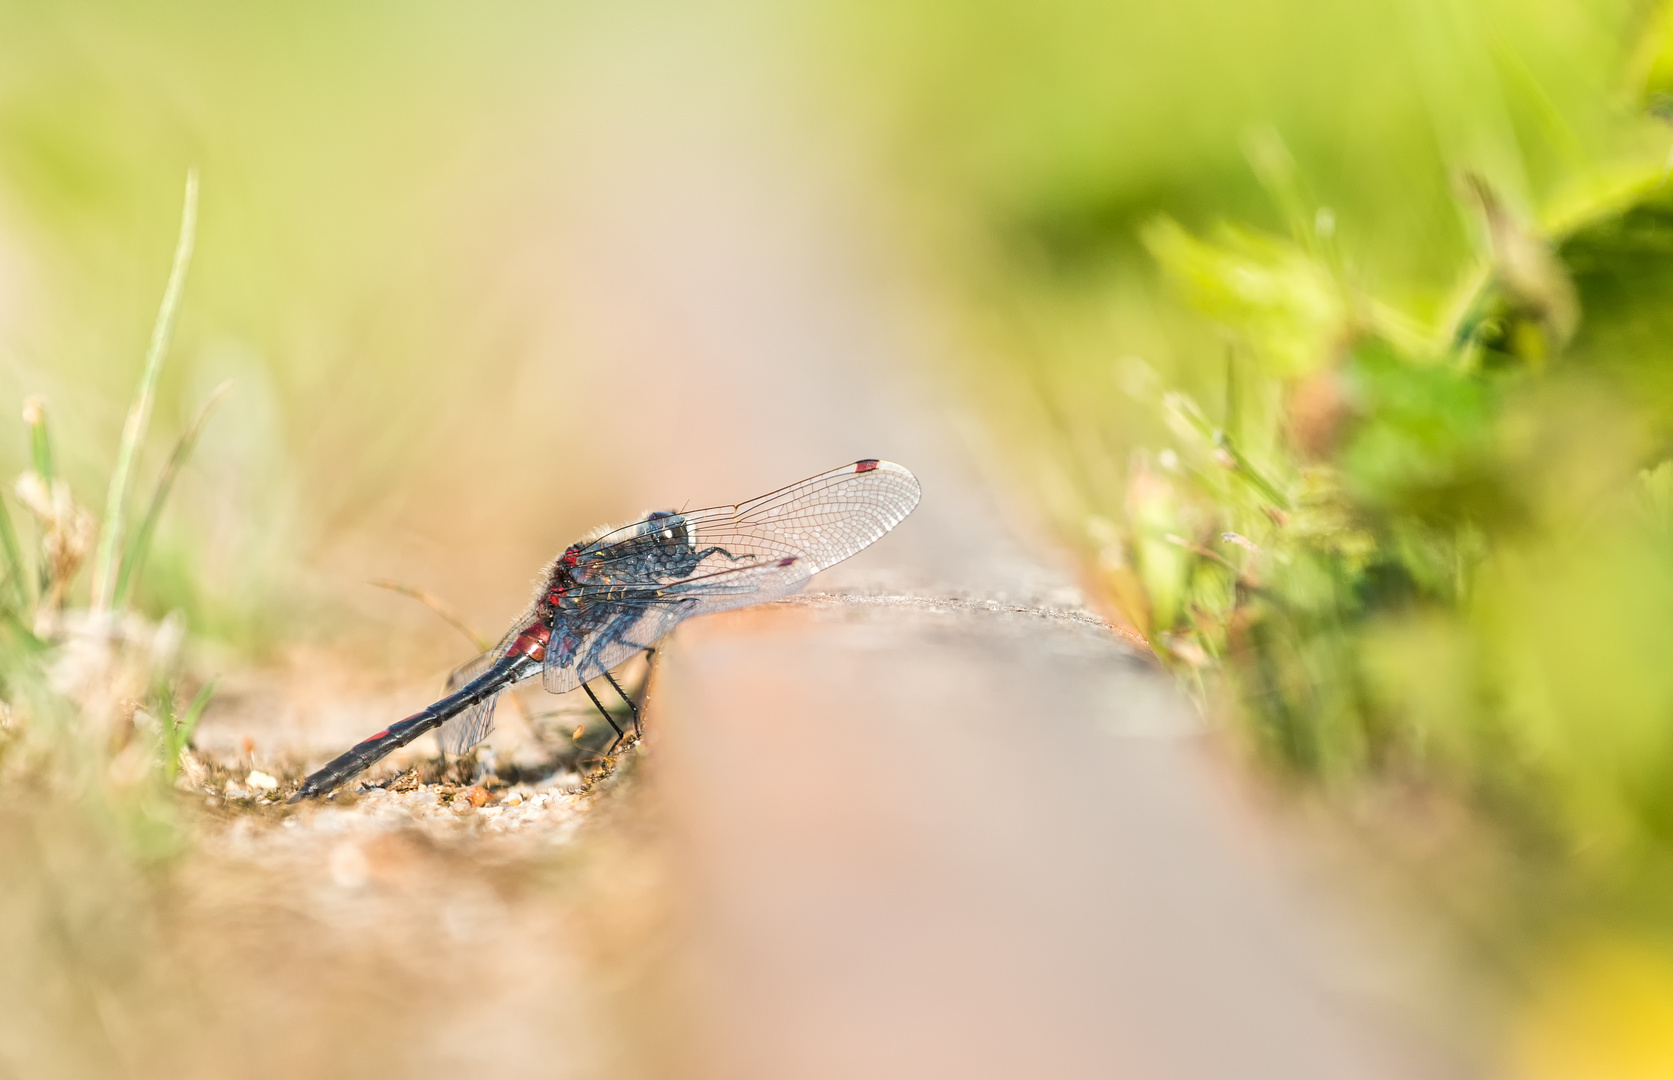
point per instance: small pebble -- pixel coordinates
(259, 779)
(478, 796)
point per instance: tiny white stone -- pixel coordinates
(259, 779)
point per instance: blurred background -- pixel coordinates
(1330, 339)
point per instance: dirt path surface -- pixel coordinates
(934, 819)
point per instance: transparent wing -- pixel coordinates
(820, 522)
(469, 670)
(476, 722)
(606, 634)
(580, 654)
(634, 585)
(469, 727)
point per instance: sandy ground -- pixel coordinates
(868, 832)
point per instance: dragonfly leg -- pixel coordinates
(602, 711)
(632, 707)
(645, 683)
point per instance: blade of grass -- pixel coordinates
(139, 415)
(452, 617)
(40, 445)
(440, 607)
(25, 636)
(140, 547)
(15, 571)
(40, 456)
(178, 734)
(1251, 474)
(194, 711)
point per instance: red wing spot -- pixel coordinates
(865, 466)
(787, 560)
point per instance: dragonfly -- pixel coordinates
(620, 592)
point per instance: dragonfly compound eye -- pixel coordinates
(670, 529)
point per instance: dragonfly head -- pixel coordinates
(671, 530)
(674, 539)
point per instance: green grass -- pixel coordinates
(88, 689)
(108, 560)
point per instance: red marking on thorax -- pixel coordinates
(571, 554)
(865, 466)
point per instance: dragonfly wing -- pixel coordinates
(633, 585)
(604, 638)
(476, 722)
(729, 587)
(465, 672)
(820, 521)
(608, 633)
(469, 727)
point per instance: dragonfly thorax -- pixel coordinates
(662, 548)
(560, 581)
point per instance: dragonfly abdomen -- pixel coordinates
(375, 747)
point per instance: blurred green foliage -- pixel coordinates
(359, 273)
(88, 724)
(1383, 470)
(1458, 575)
